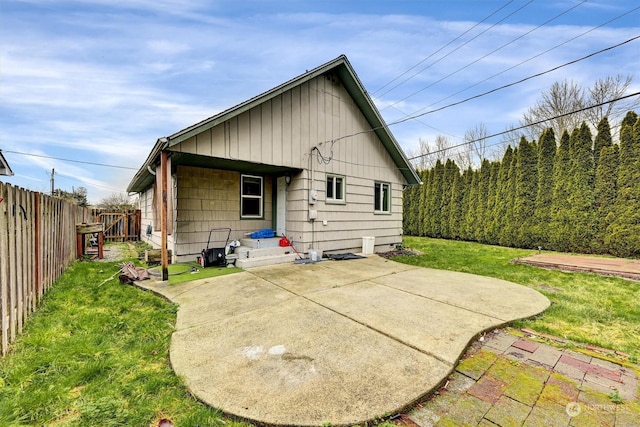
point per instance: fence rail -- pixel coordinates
(37, 243)
(119, 226)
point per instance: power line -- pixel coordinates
(537, 56)
(488, 54)
(521, 80)
(442, 48)
(414, 117)
(70, 160)
(527, 125)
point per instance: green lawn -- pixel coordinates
(97, 355)
(97, 352)
(188, 271)
(585, 308)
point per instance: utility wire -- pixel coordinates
(456, 49)
(414, 117)
(525, 126)
(537, 56)
(439, 50)
(521, 80)
(70, 160)
(488, 54)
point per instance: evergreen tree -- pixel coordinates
(484, 177)
(605, 192)
(623, 235)
(603, 139)
(525, 195)
(560, 215)
(544, 193)
(468, 178)
(581, 197)
(471, 212)
(508, 229)
(500, 206)
(488, 234)
(450, 172)
(435, 200)
(629, 120)
(424, 201)
(455, 206)
(411, 209)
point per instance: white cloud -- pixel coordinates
(103, 80)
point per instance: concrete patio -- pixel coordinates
(338, 342)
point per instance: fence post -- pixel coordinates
(4, 268)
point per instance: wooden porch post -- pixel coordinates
(163, 217)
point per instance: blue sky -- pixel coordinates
(99, 81)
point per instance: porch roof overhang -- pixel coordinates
(352, 84)
(187, 159)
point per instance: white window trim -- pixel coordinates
(334, 200)
(243, 197)
(386, 210)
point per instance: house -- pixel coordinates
(5, 170)
(311, 159)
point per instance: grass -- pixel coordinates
(585, 308)
(97, 354)
(187, 271)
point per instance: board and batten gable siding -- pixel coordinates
(282, 131)
(210, 198)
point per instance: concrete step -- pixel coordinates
(261, 243)
(265, 260)
(258, 252)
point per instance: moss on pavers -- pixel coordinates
(596, 409)
(547, 414)
(627, 414)
(429, 412)
(488, 389)
(520, 393)
(527, 384)
(477, 364)
(559, 390)
(508, 412)
(505, 370)
(468, 410)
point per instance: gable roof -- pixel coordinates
(352, 84)
(4, 166)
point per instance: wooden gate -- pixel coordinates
(120, 226)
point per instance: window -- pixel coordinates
(250, 196)
(335, 189)
(382, 197)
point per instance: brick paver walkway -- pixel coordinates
(507, 381)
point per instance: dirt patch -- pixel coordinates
(618, 267)
(397, 252)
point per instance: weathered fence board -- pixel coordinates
(119, 226)
(37, 243)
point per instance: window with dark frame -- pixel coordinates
(335, 189)
(251, 196)
(382, 197)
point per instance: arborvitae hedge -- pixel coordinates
(623, 234)
(581, 196)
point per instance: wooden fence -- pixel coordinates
(37, 243)
(119, 226)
